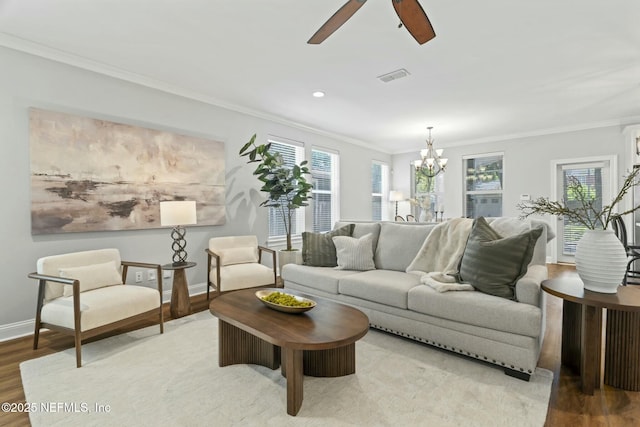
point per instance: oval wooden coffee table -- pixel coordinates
(319, 342)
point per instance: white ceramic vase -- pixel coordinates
(601, 261)
(425, 215)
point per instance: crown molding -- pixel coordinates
(624, 123)
(36, 49)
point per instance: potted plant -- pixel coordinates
(601, 259)
(286, 186)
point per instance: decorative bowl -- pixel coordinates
(285, 308)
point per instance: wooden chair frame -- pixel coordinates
(78, 334)
(633, 252)
(211, 256)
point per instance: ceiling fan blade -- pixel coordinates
(414, 19)
(336, 21)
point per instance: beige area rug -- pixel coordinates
(148, 379)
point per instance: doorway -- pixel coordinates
(597, 176)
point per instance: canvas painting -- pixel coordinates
(96, 175)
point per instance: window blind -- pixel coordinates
(591, 180)
(324, 173)
(379, 191)
(291, 154)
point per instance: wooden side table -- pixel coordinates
(180, 302)
(582, 332)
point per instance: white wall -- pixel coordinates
(29, 81)
(527, 163)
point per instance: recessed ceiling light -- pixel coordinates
(318, 94)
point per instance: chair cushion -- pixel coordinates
(242, 276)
(243, 255)
(91, 276)
(235, 249)
(51, 265)
(318, 249)
(353, 253)
(101, 306)
(493, 264)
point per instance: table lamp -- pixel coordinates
(178, 214)
(396, 196)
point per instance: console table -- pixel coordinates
(180, 303)
(582, 319)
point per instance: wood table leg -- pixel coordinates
(295, 378)
(236, 346)
(571, 335)
(622, 350)
(180, 302)
(334, 362)
(591, 348)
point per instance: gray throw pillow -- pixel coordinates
(493, 264)
(354, 253)
(318, 249)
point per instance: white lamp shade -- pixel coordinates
(396, 196)
(178, 213)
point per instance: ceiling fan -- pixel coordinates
(410, 12)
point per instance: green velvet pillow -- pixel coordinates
(318, 249)
(493, 264)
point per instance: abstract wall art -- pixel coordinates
(96, 175)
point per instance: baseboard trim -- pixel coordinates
(15, 330)
(11, 331)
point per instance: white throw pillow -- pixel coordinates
(238, 255)
(92, 276)
(353, 253)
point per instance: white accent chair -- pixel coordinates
(83, 294)
(234, 262)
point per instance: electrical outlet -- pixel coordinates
(151, 275)
(138, 276)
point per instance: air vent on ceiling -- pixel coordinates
(394, 75)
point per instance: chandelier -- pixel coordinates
(432, 162)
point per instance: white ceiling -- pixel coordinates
(496, 69)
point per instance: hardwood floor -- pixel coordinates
(567, 406)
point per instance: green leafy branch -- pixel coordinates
(286, 186)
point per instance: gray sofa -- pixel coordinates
(504, 332)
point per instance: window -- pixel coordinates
(428, 194)
(379, 191)
(324, 174)
(292, 153)
(484, 182)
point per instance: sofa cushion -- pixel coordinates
(318, 249)
(510, 226)
(321, 278)
(398, 244)
(381, 286)
(493, 264)
(476, 308)
(91, 276)
(354, 253)
(362, 228)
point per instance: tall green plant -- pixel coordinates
(286, 186)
